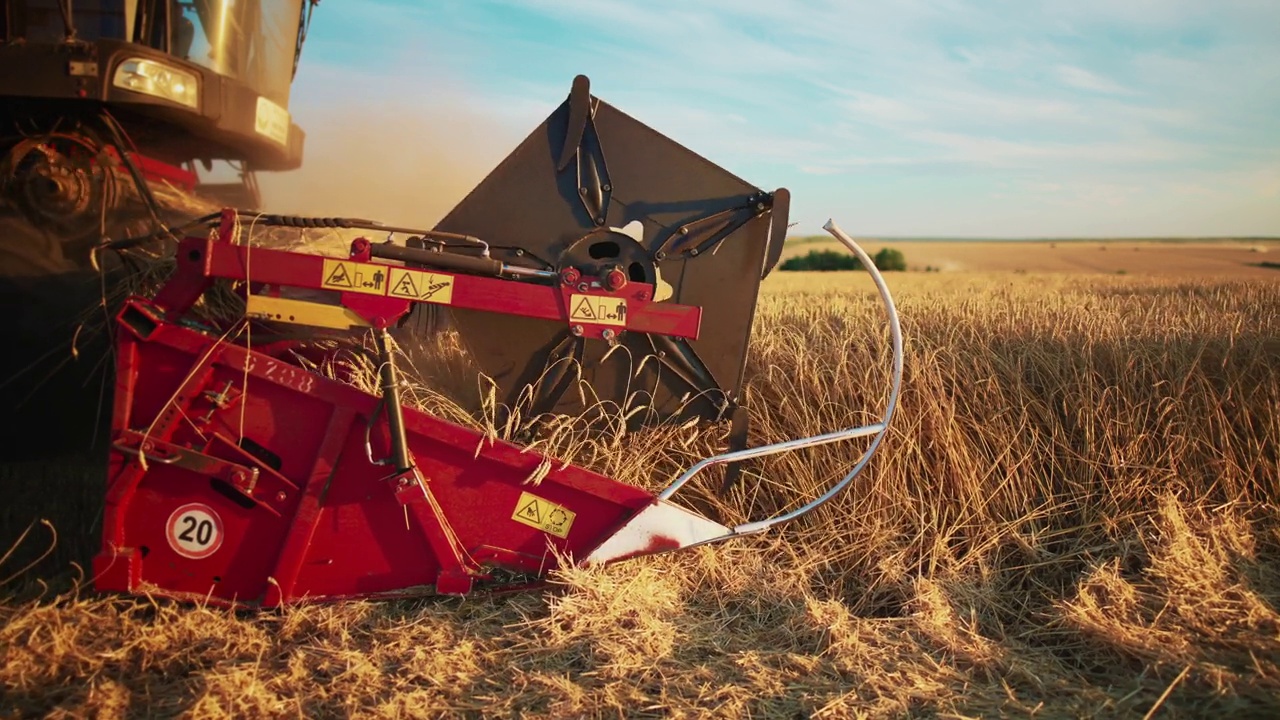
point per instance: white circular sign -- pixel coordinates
(194, 531)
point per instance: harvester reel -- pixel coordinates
(655, 212)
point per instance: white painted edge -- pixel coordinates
(635, 231)
(661, 521)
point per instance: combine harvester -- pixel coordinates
(100, 102)
(601, 267)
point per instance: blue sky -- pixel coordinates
(914, 117)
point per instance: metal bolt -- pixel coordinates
(608, 335)
(759, 206)
(577, 330)
(684, 231)
(582, 287)
(582, 191)
(606, 187)
(694, 252)
(280, 496)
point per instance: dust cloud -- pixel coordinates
(401, 164)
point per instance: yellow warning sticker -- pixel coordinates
(544, 515)
(419, 285)
(354, 277)
(598, 309)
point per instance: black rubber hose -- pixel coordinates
(444, 261)
(176, 231)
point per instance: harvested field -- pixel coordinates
(1073, 515)
(1231, 257)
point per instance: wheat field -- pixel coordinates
(1073, 515)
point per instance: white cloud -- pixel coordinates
(1084, 80)
(862, 107)
(999, 152)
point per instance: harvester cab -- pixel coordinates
(103, 104)
(151, 89)
(600, 267)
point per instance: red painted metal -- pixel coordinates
(201, 260)
(159, 171)
(239, 476)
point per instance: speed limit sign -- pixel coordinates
(194, 531)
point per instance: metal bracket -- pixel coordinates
(777, 229)
(583, 142)
(147, 449)
(219, 400)
(557, 374)
(579, 115)
(681, 359)
(739, 427)
(701, 236)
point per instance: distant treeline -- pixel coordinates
(885, 259)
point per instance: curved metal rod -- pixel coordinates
(878, 429)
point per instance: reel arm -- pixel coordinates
(647, 526)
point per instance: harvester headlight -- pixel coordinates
(158, 80)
